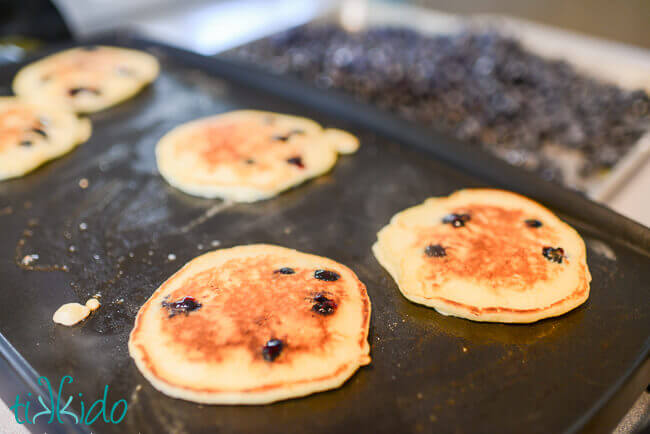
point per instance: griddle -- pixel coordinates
(429, 373)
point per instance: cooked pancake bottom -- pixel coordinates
(495, 249)
(32, 134)
(486, 255)
(86, 79)
(253, 324)
(230, 317)
(248, 155)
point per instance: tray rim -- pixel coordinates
(614, 402)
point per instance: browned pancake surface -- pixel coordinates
(247, 302)
(243, 299)
(17, 124)
(485, 255)
(243, 141)
(495, 247)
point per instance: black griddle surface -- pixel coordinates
(428, 372)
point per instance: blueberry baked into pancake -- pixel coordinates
(252, 325)
(248, 155)
(486, 255)
(32, 134)
(86, 79)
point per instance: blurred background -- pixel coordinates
(556, 87)
(216, 24)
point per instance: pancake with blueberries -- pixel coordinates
(86, 79)
(32, 134)
(486, 255)
(248, 155)
(252, 325)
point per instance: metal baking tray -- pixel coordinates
(428, 373)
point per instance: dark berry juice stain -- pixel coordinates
(323, 305)
(533, 223)
(456, 220)
(553, 254)
(185, 305)
(297, 161)
(250, 161)
(285, 137)
(285, 270)
(281, 137)
(327, 275)
(435, 251)
(25, 143)
(272, 349)
(39, 131)
(77, 90)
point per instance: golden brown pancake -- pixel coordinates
(86, 79)
(248, 155)
(32, 134)
(252, 325)
(486, 255)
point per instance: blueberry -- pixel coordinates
(553, 254)
(272, 349)
(285, 270)
(77, 90)
(533, 223)
(296, 161)
(185, 305)
(285, 137)
(39, 131)
(435, 250)
(323, 305)
(327, 275)
(456, 220)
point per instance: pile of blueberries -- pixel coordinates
(479, 86)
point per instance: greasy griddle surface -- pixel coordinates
(428, 372)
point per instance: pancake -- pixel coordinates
(86, 79)
(252, 325)
(248, 155)
(31, 134)
(486, 255)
